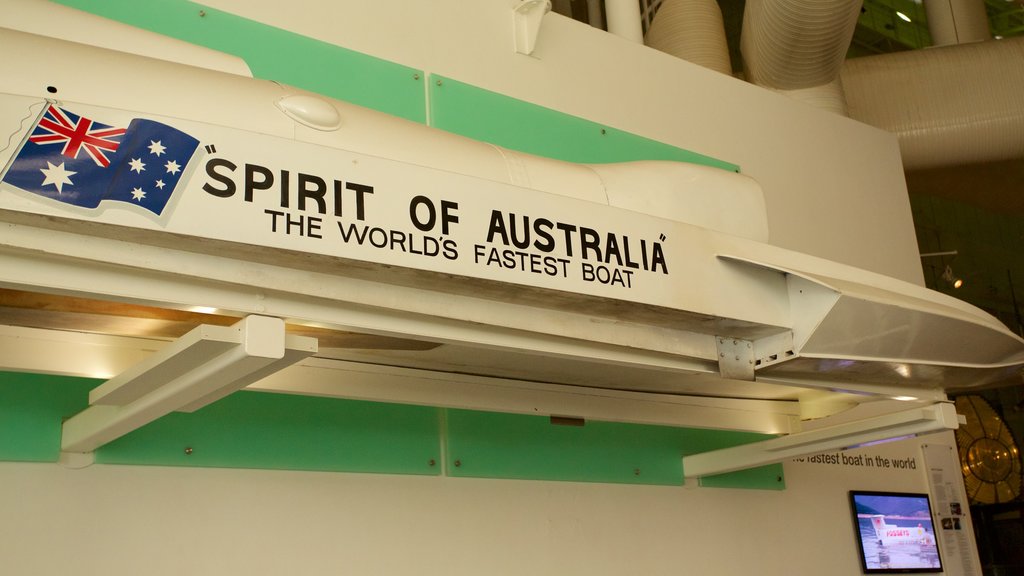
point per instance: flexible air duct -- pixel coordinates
(950, 105)
(795, 44)
(692, 30)
(957, 21)
(829, 97)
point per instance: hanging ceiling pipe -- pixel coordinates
(957, 21)
(830, 97)
(799, 46)
(595, 14)
(794, 44)
(948, 106)
(951, 105)
(692, 30)
(624, 19)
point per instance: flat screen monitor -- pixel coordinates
(895, 532)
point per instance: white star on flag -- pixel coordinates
(156, 148)
(137, 165)
(57, 176)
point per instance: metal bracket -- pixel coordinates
(774, 349)
(735, 358)
(526, 18)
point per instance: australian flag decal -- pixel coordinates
(79, 161)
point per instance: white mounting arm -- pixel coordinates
(201, 367)
(914, 422)
(526, 18)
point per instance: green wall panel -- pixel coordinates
(492, 445)
(288, 432)
(518, 125)
(32, 409)
(276, 54)
(768, 477)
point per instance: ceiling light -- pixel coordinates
(947, 274)
(953, 280)
(903, 17)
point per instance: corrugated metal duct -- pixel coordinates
(692, 30)
(957, 21)
(796, 44)
(950, 105)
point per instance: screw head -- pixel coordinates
(188, 450)
(458, 463)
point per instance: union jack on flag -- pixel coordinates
(79, 161)
(77, 133)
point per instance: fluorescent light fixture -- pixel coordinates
(201, 367)
(903, 16)
(934, 418)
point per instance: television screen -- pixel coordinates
(895, 532)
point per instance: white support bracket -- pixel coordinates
(201, 367)
(898, 425)
(526, 19)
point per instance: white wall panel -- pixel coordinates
(118, 521)
(834, 187)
